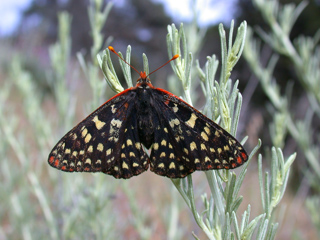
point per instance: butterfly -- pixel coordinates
(115, 138)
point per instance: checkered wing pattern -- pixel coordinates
(106, 141)
(186, 140)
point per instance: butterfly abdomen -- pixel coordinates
(145, 115)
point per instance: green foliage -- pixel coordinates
(303, 54)
(44, 203)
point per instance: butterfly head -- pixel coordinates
(143, 75)
(144, 80)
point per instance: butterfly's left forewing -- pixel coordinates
(107, 141)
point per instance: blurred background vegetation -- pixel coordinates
(37, 64)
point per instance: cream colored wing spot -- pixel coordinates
(172, 165)
(138, 145)
(113, 108)
(204, 136)
(131, 154)
(175, 108)
(163, 143)
(155, 146)
(100, 147)
(129, 142)
(90, 149)
(115, 126)
(87, 138)
(135, 164)
(174, 122)
(99, 124)
(84, 132)
(203, 147)
(207, 130)
(108, 152)
(226, 148)
(192, 121)
(67, 151)
(193, 146)
(125, 165)
(160, 165)
(88, 161)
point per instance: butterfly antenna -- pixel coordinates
(173, 58)
(112, 50)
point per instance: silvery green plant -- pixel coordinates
(40, 203)
(303, 54)
(219, 219)
(37, 203)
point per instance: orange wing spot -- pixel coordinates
(51, 159)
(56, 162)
(239, 160)
(71, 169)
(126, 105)
(63, 168)
(218, 166)
(209, 166)
(244, 156)
(86, 169)
(233, 165)
(226, 167)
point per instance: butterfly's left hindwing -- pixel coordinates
(186, 140)
(105, 141)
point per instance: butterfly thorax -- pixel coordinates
(144, 104)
